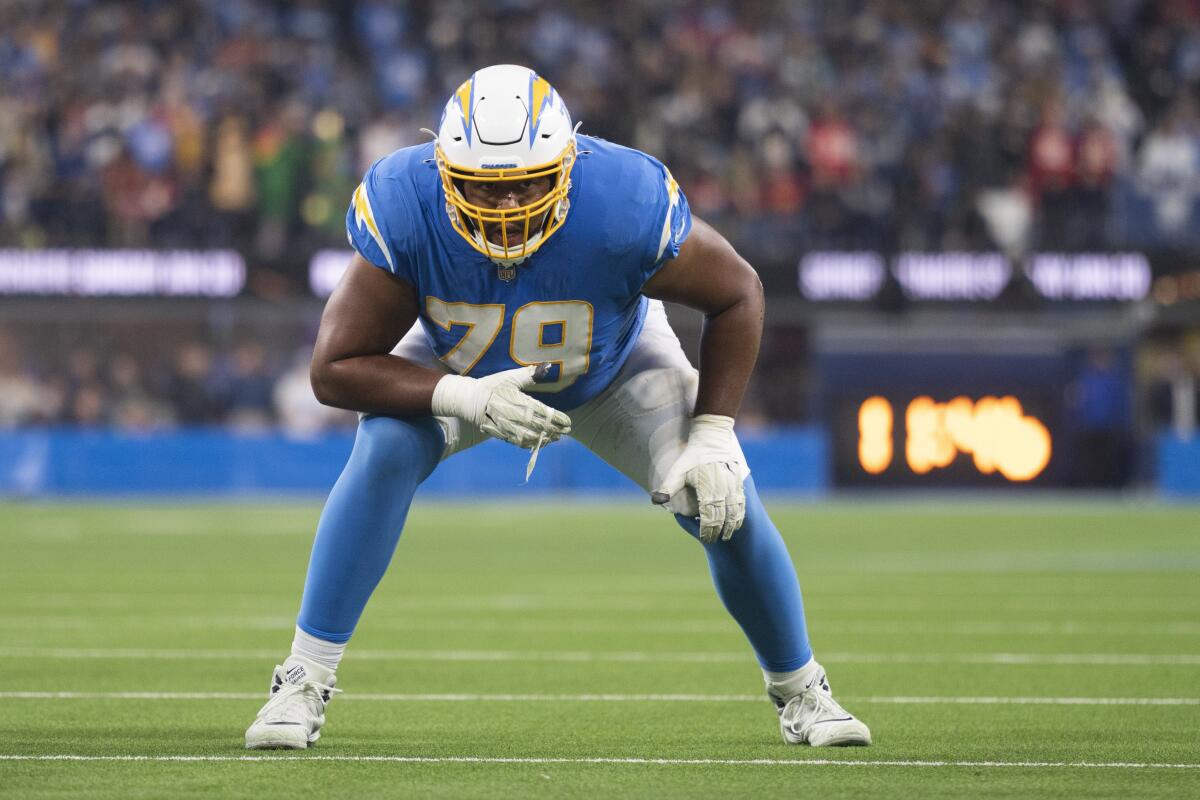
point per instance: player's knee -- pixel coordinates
(664, 388)
(756, 517)
(690, 525)
(393, 449)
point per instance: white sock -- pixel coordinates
(786, 685)
(319, 651)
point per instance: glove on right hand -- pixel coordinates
(497, 405)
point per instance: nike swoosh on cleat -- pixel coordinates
(818, 722)
(283, 723)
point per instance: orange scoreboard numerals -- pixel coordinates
(1007, 441)
(928, 444)
(875, 435)
(995, 432)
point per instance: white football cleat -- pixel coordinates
(813, 717)
(292, 718)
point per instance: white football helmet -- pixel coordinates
(505, 123)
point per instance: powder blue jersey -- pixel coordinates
(575, 303)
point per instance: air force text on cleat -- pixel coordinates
(292, 718)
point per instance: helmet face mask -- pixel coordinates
(505, 127)
(536, 220)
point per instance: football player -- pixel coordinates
(521, 267)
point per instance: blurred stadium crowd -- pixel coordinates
(857, 124)
(256, 383)
(247, 386)
(111, 374)
(876, 124)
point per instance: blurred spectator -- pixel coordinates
(1051, 174)
(83, 393)
(297, 408)
(323, 208)
(1096, 165)
(1170, 380)
(132, 405)
(833, 158)
(1170, 171)
(22, 399)
(192, 386)
(231, 191)
(1008, 214)
(1101, 400)
(250, 388)
(89, 407)
(279, 150)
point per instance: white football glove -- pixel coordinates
(497, 405)
(713, 467)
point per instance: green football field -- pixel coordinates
(997, 649)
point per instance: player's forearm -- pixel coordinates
(378, 384)
(728, 349)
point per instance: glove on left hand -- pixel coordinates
(710, 465)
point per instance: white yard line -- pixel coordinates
(666, 601)
(226, 622)
(1075, 659)
(676, 599)
(990, 628)
(142, 621)
(1031, 701)
(612, 698)
(756, 762)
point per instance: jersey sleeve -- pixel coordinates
(673, 222)
(377, 222)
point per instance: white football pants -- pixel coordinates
(639, 424)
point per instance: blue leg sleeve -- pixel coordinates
(755, 580)
(362, 520)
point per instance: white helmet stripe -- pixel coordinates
(505, 123)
